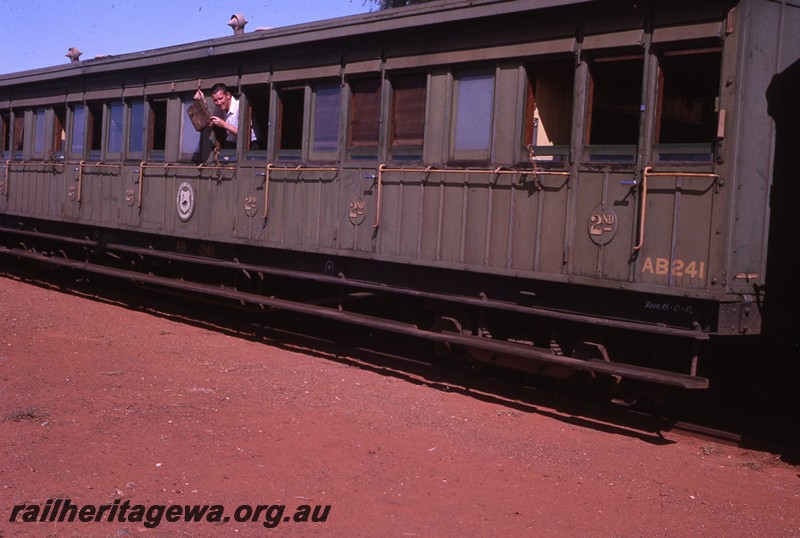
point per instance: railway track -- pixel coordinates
(415, 360)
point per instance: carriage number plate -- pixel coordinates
(678, 267)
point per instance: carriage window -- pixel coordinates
(365, 115)
(257, 118)
(548, 111)
(5, 133)
(136, 129)
(95, 132)
(474, 104)
(157, 128)
(59, 130)
(190, 137)
(326, 106)
(408, 116)
(615, 96)
(19, 134)
(115, 115)
(39, 116)
(78, 129)
(291, 102)
(688, 103)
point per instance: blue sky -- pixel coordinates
(38, 33)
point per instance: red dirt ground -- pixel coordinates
(101, 404)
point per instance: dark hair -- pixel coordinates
(219, 86)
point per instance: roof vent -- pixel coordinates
(73, 54)
(237, 22)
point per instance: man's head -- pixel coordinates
(221, 96)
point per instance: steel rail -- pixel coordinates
(501, 349)
(480, 302)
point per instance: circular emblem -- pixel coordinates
(71, 193)
(357, 211)
(602, 224)
(129, 197)
(185, 202)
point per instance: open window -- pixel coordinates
(326, 108)
(95, 129)
(407, 135)
(256, 121)
(5, 133)
(59, 131)
(687, 105)
(191, 138)
(548, 111)
(291, 103)
(156, 128)
(473, 112)
(614, 111)
(365, 117)
(18, 136)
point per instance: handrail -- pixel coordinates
(647, 172)
(7, 165)
(167, 165)
(300, 167)
(5, 182)
(80, 168)
(430, 169)
(80, 181)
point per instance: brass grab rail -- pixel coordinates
(167, 166)
(430, 169)
(647, 172)
(8, 163)
(5, 182)
(272, 168)
(82, 165)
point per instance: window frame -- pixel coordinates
(130, 124)
(95, 132)
(407, 150)
(76, 121)
(283, 153)
(533, 72)
(156, 127)
(18, 141)
(58, 135)
(39, 137)
(364, 108)
(617, 152)
(255, 106)
(470, 119)
(5, 133)
(329, 150)
(111, 151)
(692, 151)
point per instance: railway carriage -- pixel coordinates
(595, 189)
